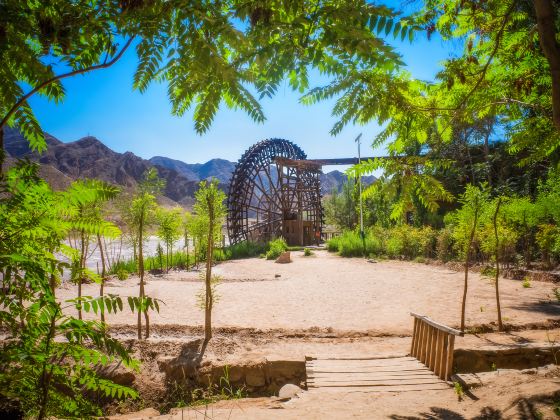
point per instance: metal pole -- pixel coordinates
(362, 233)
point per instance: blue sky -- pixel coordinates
(103, 104)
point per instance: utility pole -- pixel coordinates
(362, 233)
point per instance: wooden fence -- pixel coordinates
(433, 345)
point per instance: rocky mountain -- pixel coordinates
(222, 170)
(215, 168)
(90, 158)
(335, 179)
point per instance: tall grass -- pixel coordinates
(275, 248)
(243, 250)
(399, 242)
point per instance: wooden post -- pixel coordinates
(439, 350)
(449, 361)
(414, 337)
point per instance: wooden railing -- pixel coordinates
(433, 345)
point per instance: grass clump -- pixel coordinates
(350, 244)
(307, 252)
(244, 249)
(275, 248)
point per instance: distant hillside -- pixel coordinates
(220, 169)
(90, 158)
(335, 179)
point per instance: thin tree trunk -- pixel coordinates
(546, 15)
(141, 273)
(80, 274)
(467, 260)
(103, 273)
(187, 245)
(497, 256)
(46, 377)
(209, 252)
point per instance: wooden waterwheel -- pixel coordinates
(268, 200)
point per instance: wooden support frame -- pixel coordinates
(433, 344)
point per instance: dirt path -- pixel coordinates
(327, 291)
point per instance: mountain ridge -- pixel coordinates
(89, 157)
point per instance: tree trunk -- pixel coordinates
(81, 273)
(187, 245)
(103, 273)
(141, 273)
(544, 10)
(497, 256)
(467, 260)
(209, 256)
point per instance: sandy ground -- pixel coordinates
(505, 395)
(326, 305)
(327, 291)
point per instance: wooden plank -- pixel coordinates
(414, 338)
(437, 363)
(422, 340)
(433, 347)
(372, 383)
(437, 324)
(401, 356)
(372, 374)
(367, 365)
(449, 361)
(400, 388)
(429, 345)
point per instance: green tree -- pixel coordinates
(83, 202)
(139, 216)
(210, 211)
(187, 234)
(467, 222)
(169, 230)
(206, 52)
(340, 207)
(49, 359)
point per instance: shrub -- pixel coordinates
(122, 274)
(445, 244)
(307, 252)
(275, 248)
(244, 249)
(350, 244)
(333, 244)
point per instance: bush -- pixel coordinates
(244, 249)
(129, 266)
(333, 244)
(445, 245)
(350, 244)
(307, 252)
(275, 248)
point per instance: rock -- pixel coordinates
(254, 377)
(177, 368)
(117, 373)
(147, 413)
(288, 391)
(284, 258)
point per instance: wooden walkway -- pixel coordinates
(389, 374)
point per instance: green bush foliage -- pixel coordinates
(244, 249)
(275, 248)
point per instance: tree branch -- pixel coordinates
(25, 97)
